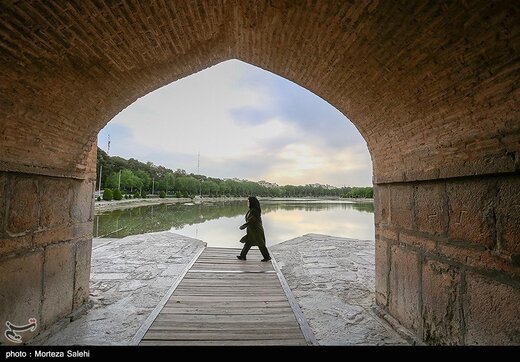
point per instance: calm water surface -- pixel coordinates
(217, 223)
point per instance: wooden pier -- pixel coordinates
(221, 300)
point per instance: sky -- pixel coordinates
(246, 123)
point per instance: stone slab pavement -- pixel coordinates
(129, 277)
(333, 281)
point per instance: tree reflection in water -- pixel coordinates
(325, 217)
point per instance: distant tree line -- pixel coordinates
(137, 178)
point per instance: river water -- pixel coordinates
(217, 223)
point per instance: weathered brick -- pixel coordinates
(387, 233)
(381, 272)
(82, 276)
(420, 242)
(428, 107)
(401, 206)
(381, 204)
(471, 208)
(3, 197)
(20, 291)
(58, 282)
(83, 204)
(404, 287)
(83, 230)
(22, 210)
(492, 312)
(56, 198)
(16, 244)
(58, 234)
(441, 303)
(508, 216)
(484, 260)
(431, 212)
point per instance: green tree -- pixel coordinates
(108, 195)
(118, 195)
(145, 178)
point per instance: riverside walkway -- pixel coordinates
(220, 300)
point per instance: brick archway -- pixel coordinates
(432, 87)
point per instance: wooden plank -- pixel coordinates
(205, 325)
(223, 301)
(250, 288)
(148, 322)
(231, 276)
(222, 274)
(228, 271)
(223, 290)
(230, 267)
(227, 311)
(286, 342)
(217, 299)
(251, 291)
(212, 336)
(224, 318)
(246, 326)
(229, 304)
(196, 283)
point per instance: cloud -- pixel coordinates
(249, 115)
(246, 123)
(296, 105)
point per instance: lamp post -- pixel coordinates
(101, 166)
(99, 184)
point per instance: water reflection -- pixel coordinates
(217, 223)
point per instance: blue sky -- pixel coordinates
(246, 123)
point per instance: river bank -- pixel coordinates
(103, 206)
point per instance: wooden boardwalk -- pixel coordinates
(225, 301)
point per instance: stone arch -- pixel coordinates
(432, 87)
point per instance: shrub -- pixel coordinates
(98, 198)
(178, 194)
(162, 194)
(108, 195)
(118, 195)
(126, 196)
(137, 195)
(143, 194)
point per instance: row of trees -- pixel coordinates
(359, 192)
(131, 175)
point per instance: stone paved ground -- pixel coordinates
(333, 281)
(129, 277)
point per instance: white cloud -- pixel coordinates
(169, 126)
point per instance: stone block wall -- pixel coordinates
(447, 258)
(45, 248)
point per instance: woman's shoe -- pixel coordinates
(266, 259)
(241, 257)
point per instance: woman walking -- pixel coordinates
(255, 230)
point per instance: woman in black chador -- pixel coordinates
(255, 230)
